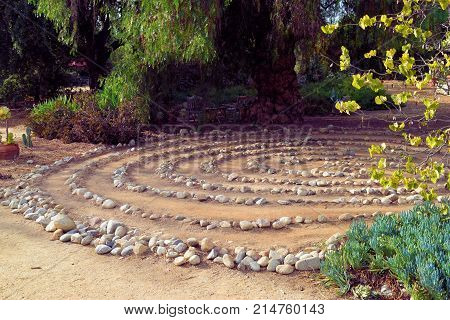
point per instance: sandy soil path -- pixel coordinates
(32, 267)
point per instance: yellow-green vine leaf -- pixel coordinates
(382, 163)
(396, 127)
(329, 28)
(370, 54)
(344, 59)
(377, 149)
(444, 4)
(367, 21)
(380, 99)
(347, 106)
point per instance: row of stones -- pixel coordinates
(242, 225)
(115, 238)
(166, 169)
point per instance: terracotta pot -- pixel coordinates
(9, 151)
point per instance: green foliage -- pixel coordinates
(324, 94)
(10, 138)
(414, 246)
(32, 61)
(43, 110)
(335, 270)
(14, 88)
(58, 13)
(149, 44)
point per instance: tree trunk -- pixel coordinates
(278, 94)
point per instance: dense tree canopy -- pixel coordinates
(136, 38)
(32, 61)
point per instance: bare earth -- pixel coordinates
(33, 267)
(29, 270)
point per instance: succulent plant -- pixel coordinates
(414, 247)
(26, 139)
(362, 292)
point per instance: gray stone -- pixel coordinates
(246, 225)
(160, 251)
(263, 261)
(206, 244)
(273, 264)
(182, 195)
(261, 201)
(225, 224)
(127, 251)
(179, 261)
(76, 238)
(222, 199)
(140, 249)
(263, 223)
(192, 242)
(228, 261)
(311, 263)
(345, 217)
(299, 219)
(290, 259)
(181, 247)
(112, 225)
(116, 251)
(240, 255)
(65, 237)
(108, 204)
(284, 269)
(102, 249)
(62, 221)
(254, 266)
(121, 231)
(278, 225)
(212, 254)
(194, 260)
(286, 220)
(87, 240)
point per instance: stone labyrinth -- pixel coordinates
(258, 201)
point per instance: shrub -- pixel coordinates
(322, 96)
(413, 246)
(79, 119)
(52, 119)
(14, 88)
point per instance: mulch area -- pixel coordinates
(376, 280)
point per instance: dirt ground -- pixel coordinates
(29, 269)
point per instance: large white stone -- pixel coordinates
(62, 221)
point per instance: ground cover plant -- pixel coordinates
(413, 246)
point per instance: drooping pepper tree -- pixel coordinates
(423, 61)
(140, 37)
(85, 25)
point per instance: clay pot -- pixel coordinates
(9, 151)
